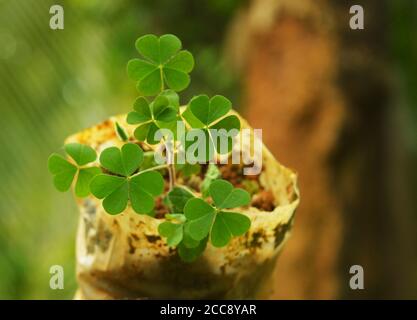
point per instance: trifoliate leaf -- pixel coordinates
(227, 197)
(223, 132)
(227, 225)
(123, 162)
(178, 197)
(164, 63)
(202, 218)
(205, 113)
(182, 62)
(81, 153)
(199, 145)
(200, 215)
(140, 189)
(62, 170)
(161, 113)
(191, 119)
(172, 231)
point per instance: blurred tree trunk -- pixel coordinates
(320, 92)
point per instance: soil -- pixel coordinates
(262, 199)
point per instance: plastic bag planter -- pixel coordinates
(123, 256)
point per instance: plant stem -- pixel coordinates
(171, 169)
(162, 166)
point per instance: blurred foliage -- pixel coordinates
(55, 83)
(403, 36)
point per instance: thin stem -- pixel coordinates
(170, 167)
(162, 79)
(162, 166)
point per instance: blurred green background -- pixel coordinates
(55, 83)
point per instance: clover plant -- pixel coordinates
(128, 176)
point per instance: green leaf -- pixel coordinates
(116, 202)
(212, 174)
(148, 46)
(121, 133)
(191, 119)
(187, 240)
(138, 69)
(199, 140)
(191, 254)
(178, 197)
(141, 133)
(143, 188)
(227, 225)
(123, 162)
(228, 123)
(173, 98)
(183, 61)
(62, 170)
(82, 187)
(176, 80)
(103, 185)
(151, 84)
(200, 216)
(81, 153)
(172, 231)
(142, 112)
(164, 63)
(167, 115)
(209, 110)
(169, 45)
(114, 191)
(203, 112)
(226, 197)
(162, 110)
(161, 113)
(151, 134)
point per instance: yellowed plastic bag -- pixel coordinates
(123, 256)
